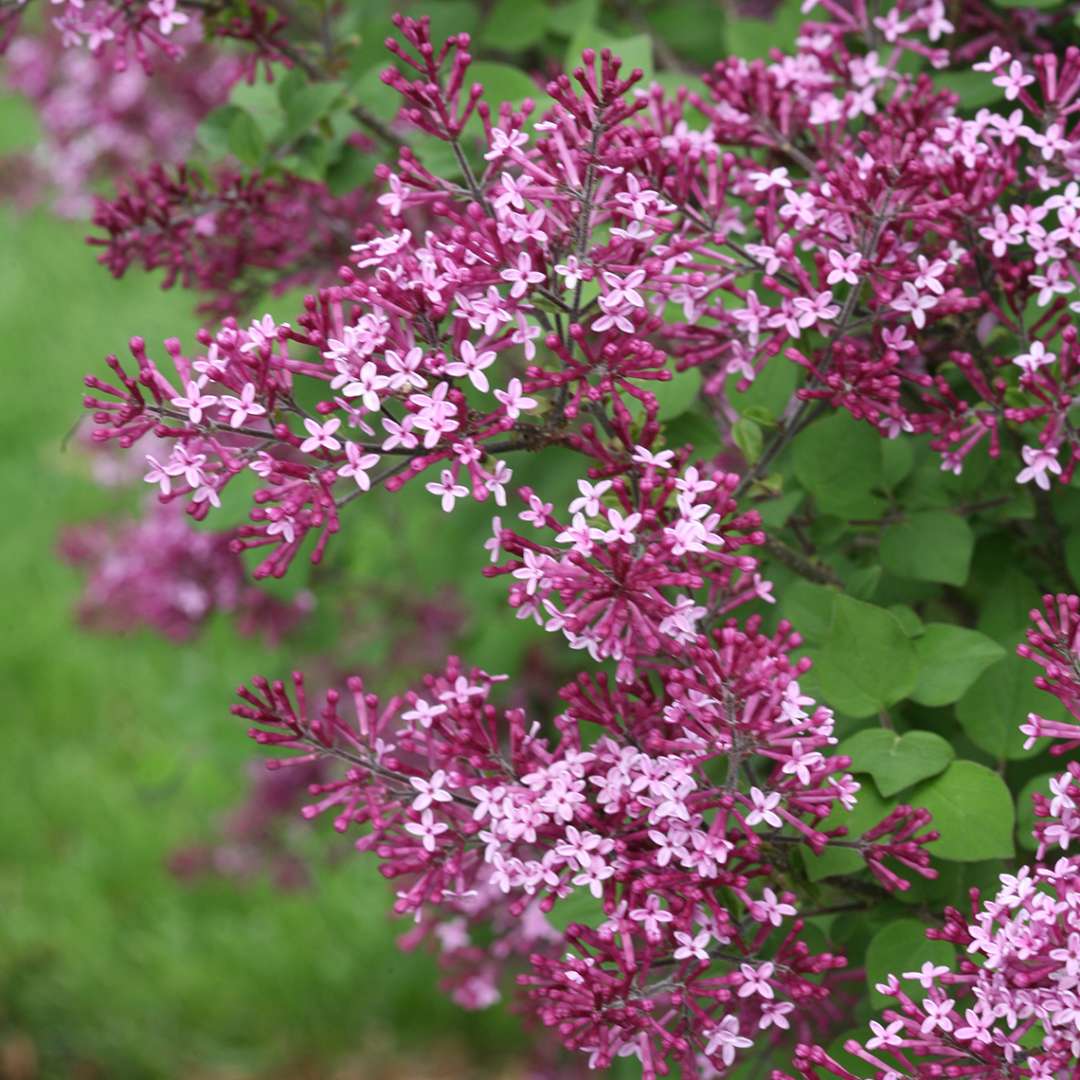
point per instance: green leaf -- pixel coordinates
(909, 620)
(447, 17)
(260, 101)
(809, 608)
(352, 169)
(897, 761)
(307, 106)
(932, 545)
(678, 394)
(310, 159)
(293, 82)
(512, 25)
(992, 711)
(973, 810)
(768, 395)
(566, 18)
(692, 29)
(867, 661)
(213, 133)
(579, 907)
(950, 659)
(897, 460)
(974, 88)
(775, 512)
(436, 154)
(838, 460)
(748, 438)
(502, 83)
(753, 38)
(1004, 603)
(368, 90)
(696, 428)
(902, 946)
(246, 142)
(863, 582)
(1072, 553)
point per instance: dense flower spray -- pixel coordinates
(1054, 644)
(697, 938)
(149, 32)
(529, 311)
(1009, 1006)
(229, 237)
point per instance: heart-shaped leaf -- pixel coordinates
(973, 810)
(951, 658)
(897, 761)
(991, 711)
(930, 545)
(838, 460)
(866, 662)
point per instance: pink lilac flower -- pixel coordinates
(1053, 642)
(470, 826)
(161, 573)
(98, 122)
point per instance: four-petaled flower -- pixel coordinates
(522, 275)
(725, 1040)
(243, 406)
(448, 489)
(195, 401)
(358, 465)
(918, 304)
(513, 399)
(320, 436)
(764, 808)
(1038, 464)
(427, 828)
(472, 364)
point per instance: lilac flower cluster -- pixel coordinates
(160, 572)
(626, 562)
(695, 942)
(1054, 644)
(99, 123)
(1011, 1004)
(229, 236)
(1011, 1009)
(879, 258)
(145, 30)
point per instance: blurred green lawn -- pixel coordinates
(117, 751)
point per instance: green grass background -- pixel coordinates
(118, 750)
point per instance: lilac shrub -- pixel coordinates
(805, 330)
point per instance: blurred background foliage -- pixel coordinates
(119, 753)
